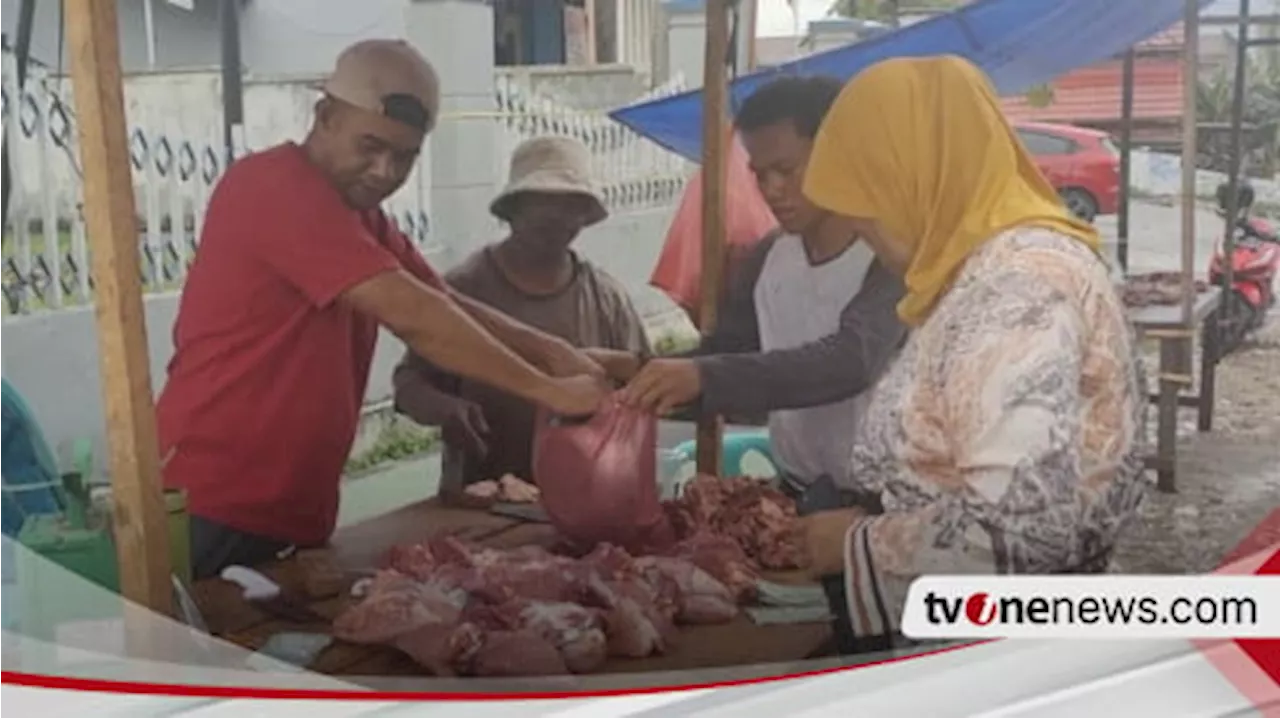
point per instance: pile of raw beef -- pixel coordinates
(1155, 289)
(461, 609)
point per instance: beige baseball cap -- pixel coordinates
(389, 77)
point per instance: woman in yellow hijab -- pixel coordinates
(1006, 438)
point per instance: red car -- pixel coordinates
(1082, 164)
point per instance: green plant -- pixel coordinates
(673, 343)
(884, 10)
(1214, 97)
(397, 442)
(1040, 96)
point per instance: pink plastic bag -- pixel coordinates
(747, 220)
(598, 478)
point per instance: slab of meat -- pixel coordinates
(723, 559)
(512, 654)
(442, 650)
(577, 633)
(453, 607)
(528, 572)
(639, 610)
(701, 599)
(758, 517)
(508, 489)
(1156, 288)
(395, 605)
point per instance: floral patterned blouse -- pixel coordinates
(1008, 435)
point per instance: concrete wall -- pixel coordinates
(596, 87)
(52, 357)
(183, 38)
(276, 36)
(686, 47)
(305, 36)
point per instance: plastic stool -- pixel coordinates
(734, 448)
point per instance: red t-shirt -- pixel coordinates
(268, 377)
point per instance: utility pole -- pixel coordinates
(232, 79)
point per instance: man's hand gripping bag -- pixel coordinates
(598, 478)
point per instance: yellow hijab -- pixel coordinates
(921, 146)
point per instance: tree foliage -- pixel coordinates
(882, 10)
(1261, 111)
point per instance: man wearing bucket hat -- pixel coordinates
(296, 270)
(532, 275)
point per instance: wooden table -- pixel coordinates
(228, 616)
(1164, 323)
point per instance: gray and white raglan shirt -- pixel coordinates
(804, 342)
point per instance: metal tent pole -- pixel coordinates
(1191, 57)
(1126, 162)
(1234, 162)
(232, 78)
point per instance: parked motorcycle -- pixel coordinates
(1255, 263)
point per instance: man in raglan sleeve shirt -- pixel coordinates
(296, 270)
(806, 328)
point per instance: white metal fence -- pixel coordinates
(631, 171)
(177, 156)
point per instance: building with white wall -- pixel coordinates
(303, 36)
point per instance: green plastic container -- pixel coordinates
(47, 598)
(85, 551)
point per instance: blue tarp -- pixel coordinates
(1019, 43)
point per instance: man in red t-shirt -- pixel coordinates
(297, 268)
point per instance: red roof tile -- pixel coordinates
(1093, 94)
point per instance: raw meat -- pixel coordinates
(701, 598)
(577, 633)
(759, 518)
(723, 559)
(517, 491)
(639, 611)
(509, 489)
(486, 490)
(440, 648)
(1156, 288)
(511, 654)
(395, 605)
(455, 608)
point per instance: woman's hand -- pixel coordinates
(823, 536)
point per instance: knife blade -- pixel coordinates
(532, 513)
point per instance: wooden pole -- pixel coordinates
(139, 520)
(714, 152)
(1190, 86)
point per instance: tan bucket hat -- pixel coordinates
(560, 165)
